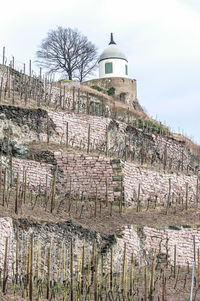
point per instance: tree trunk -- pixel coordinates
(70, 75)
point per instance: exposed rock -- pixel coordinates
(11, 147)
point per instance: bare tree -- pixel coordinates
(66, 50)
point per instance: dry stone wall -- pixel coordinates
(7, 231)
(87, 173)
(182, 238)
(140, 242)
(81, 173)
(56, 236)
(143, 241)
(154, 183)
(78, 126)
(122, 140)
(37, 173)
(77, 173)
(100, 134)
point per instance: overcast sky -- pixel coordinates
(160, 38)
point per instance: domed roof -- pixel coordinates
(112, 51)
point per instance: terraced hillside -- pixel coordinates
(81, 169)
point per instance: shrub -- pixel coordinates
(155, 128)
(95, 87)
(111, 91)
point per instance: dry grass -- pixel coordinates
(106, 221)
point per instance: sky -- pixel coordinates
(160, 38)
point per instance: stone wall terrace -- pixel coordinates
(83, 173)
(87, 173)
(182, 238)
(154, 182)
(36, 172)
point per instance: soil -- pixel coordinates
(109, 221)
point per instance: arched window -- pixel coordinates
(108, 68)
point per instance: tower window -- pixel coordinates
(126, 69)
(108, 68)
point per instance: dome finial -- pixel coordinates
(111, 39)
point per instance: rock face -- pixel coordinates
(22, 126)
(11, 147)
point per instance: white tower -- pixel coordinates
(113, 62)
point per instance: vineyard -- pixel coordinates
(39, 270)
(35, 276)
(97, 200)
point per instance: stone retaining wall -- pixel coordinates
(56, 236)
(77, 173)
(87, 173)
(156, 183)
(183, 239)
(7, 231)
(141, 243)
(84, 173)
(36, 172)
(102, 135)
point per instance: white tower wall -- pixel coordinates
(118, 68)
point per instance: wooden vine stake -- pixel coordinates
(163, 287)
(73, 99)
(95, 274)
(111, 269)
(124, 271)
(145, 283)
(121, 196)
(5, 270)
(101, 278)
(4, 187)
(169, 195)
(198, 267)
(31, 270)
(131, 276)
(88, 143)
(48, 273)
(0, 179)
(87, 105)
(53, 189)
(16, 259)
(175, 261)
(138, 199)
(17, 192)
(71, 273)
(197, 191)
(25, 186)
(106, 142)
(48, 129)
(82, 268)
(165, 158)
(186, 197)
(152, 273)
(67, 134)
(106, 192)
(194, 247)
(95, 204)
